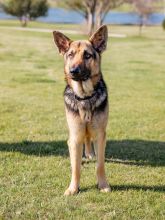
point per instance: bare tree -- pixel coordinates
(89, 8)
(85, 7)
(144, 8)
(102, 8)
(94, 11)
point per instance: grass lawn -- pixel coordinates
(34, 162)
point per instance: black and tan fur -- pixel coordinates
(86, 102)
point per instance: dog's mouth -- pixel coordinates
(81, 77)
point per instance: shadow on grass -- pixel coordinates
(133, 152)
(128, 187)
(138, 187)
(136, 152)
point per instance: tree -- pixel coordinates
(25, 10)
(163, 24)
(85, 7)
(103, 7)
(94, 11)
(144, 8)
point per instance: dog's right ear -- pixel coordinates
(99, 39)
(62, 42)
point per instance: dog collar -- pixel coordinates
(86, 97)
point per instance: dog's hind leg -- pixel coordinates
(100, 144)
(89, 153)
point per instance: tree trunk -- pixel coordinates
(90, 23)
(98, 21)
(141, 25)
(140, 29)
(90, 6)
(98, 14)
(24, 20)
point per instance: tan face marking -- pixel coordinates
(82, 54)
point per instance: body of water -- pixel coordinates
(58, 15)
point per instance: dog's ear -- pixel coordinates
(62, 42)
(99, 39)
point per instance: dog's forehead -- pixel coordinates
(81, 45)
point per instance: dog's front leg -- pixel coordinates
(100, 144)
(75, 150)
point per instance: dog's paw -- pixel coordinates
(70, 192)
(89, 156)
(104, 188)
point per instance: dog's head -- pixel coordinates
(82, 58)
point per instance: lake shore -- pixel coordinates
(58, 15)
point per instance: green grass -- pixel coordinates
(34, 162)
(34, 24)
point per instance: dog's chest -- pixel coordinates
(87, 106)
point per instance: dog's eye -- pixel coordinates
(87, 56)
(70, 55)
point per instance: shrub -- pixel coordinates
(163, 24)
(25, 10)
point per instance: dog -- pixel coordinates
(86, 102)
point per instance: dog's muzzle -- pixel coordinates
(78, 75)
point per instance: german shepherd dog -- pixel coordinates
(86, 102)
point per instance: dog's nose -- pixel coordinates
(75, 70)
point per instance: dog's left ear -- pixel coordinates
(62, 42)
(99, 39)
